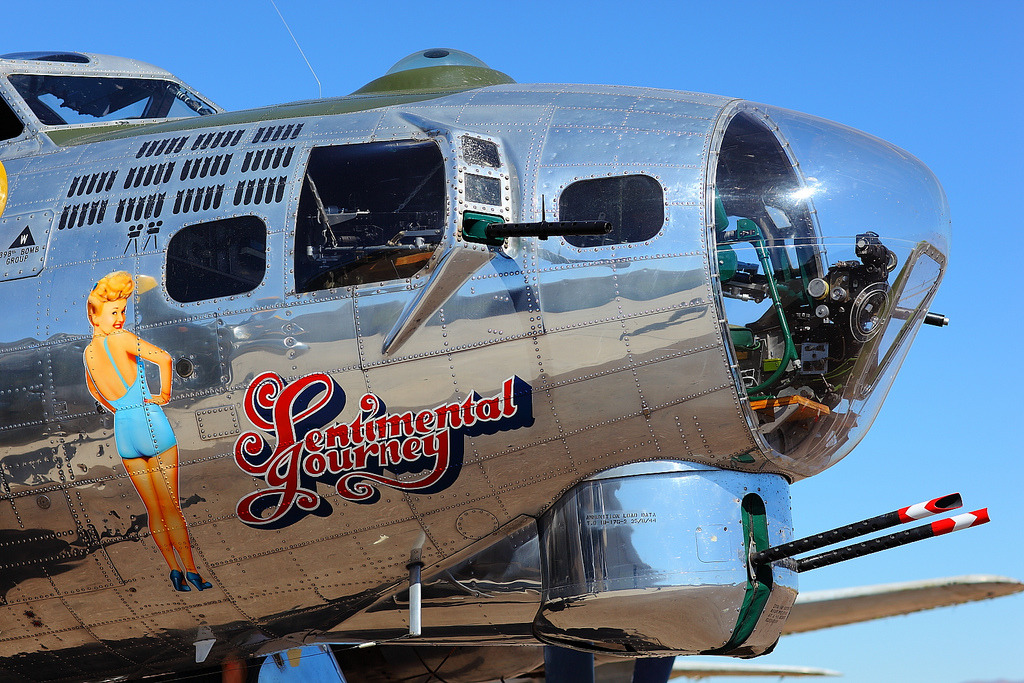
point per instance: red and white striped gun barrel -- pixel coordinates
(936, 528)
(928, 508)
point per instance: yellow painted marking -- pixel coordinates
(3, 188)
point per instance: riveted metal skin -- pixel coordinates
(622, 346)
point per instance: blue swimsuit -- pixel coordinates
(141, 429)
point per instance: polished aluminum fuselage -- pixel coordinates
(624, 348)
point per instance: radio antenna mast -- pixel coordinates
(318, 84)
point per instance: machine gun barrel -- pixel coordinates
(937, 528)
(546, 229)
(867, 526)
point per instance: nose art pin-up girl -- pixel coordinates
(116, 376)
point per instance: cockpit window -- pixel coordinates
(71, 100)
(369, 213)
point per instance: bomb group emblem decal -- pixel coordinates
(299, 444)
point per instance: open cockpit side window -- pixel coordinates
(10, 125)
(369, 213)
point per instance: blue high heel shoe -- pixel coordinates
(197, 581)
(178, 581)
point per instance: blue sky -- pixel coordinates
(940, 79)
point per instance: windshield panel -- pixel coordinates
(74, 100)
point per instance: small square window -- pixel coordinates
(216, 259)
(633, 204)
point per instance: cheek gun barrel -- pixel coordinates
(875, 545)
(845, 533)
(884, 521)
(546, 229)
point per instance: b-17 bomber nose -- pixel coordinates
(533, 363)
(830, 245)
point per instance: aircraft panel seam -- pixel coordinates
(625, 128)
(582, 430)
(308, 542)
(614, 262)
(627, 164)
(633, 110)
(627, 316)
(634, 414)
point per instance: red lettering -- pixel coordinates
(314, 441)
(355, 430)
(468, 418)
(411, 448)
(399, 425)
(315, 464)
(425, 421)
(340, 460)
(250, 445)
(488, 409)
(448, 416)
(373, 439)
(508, 399)
(363, 452)
(286, 415)
(389, 453)
(282, 476)
(436, 444)
(337, 436)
